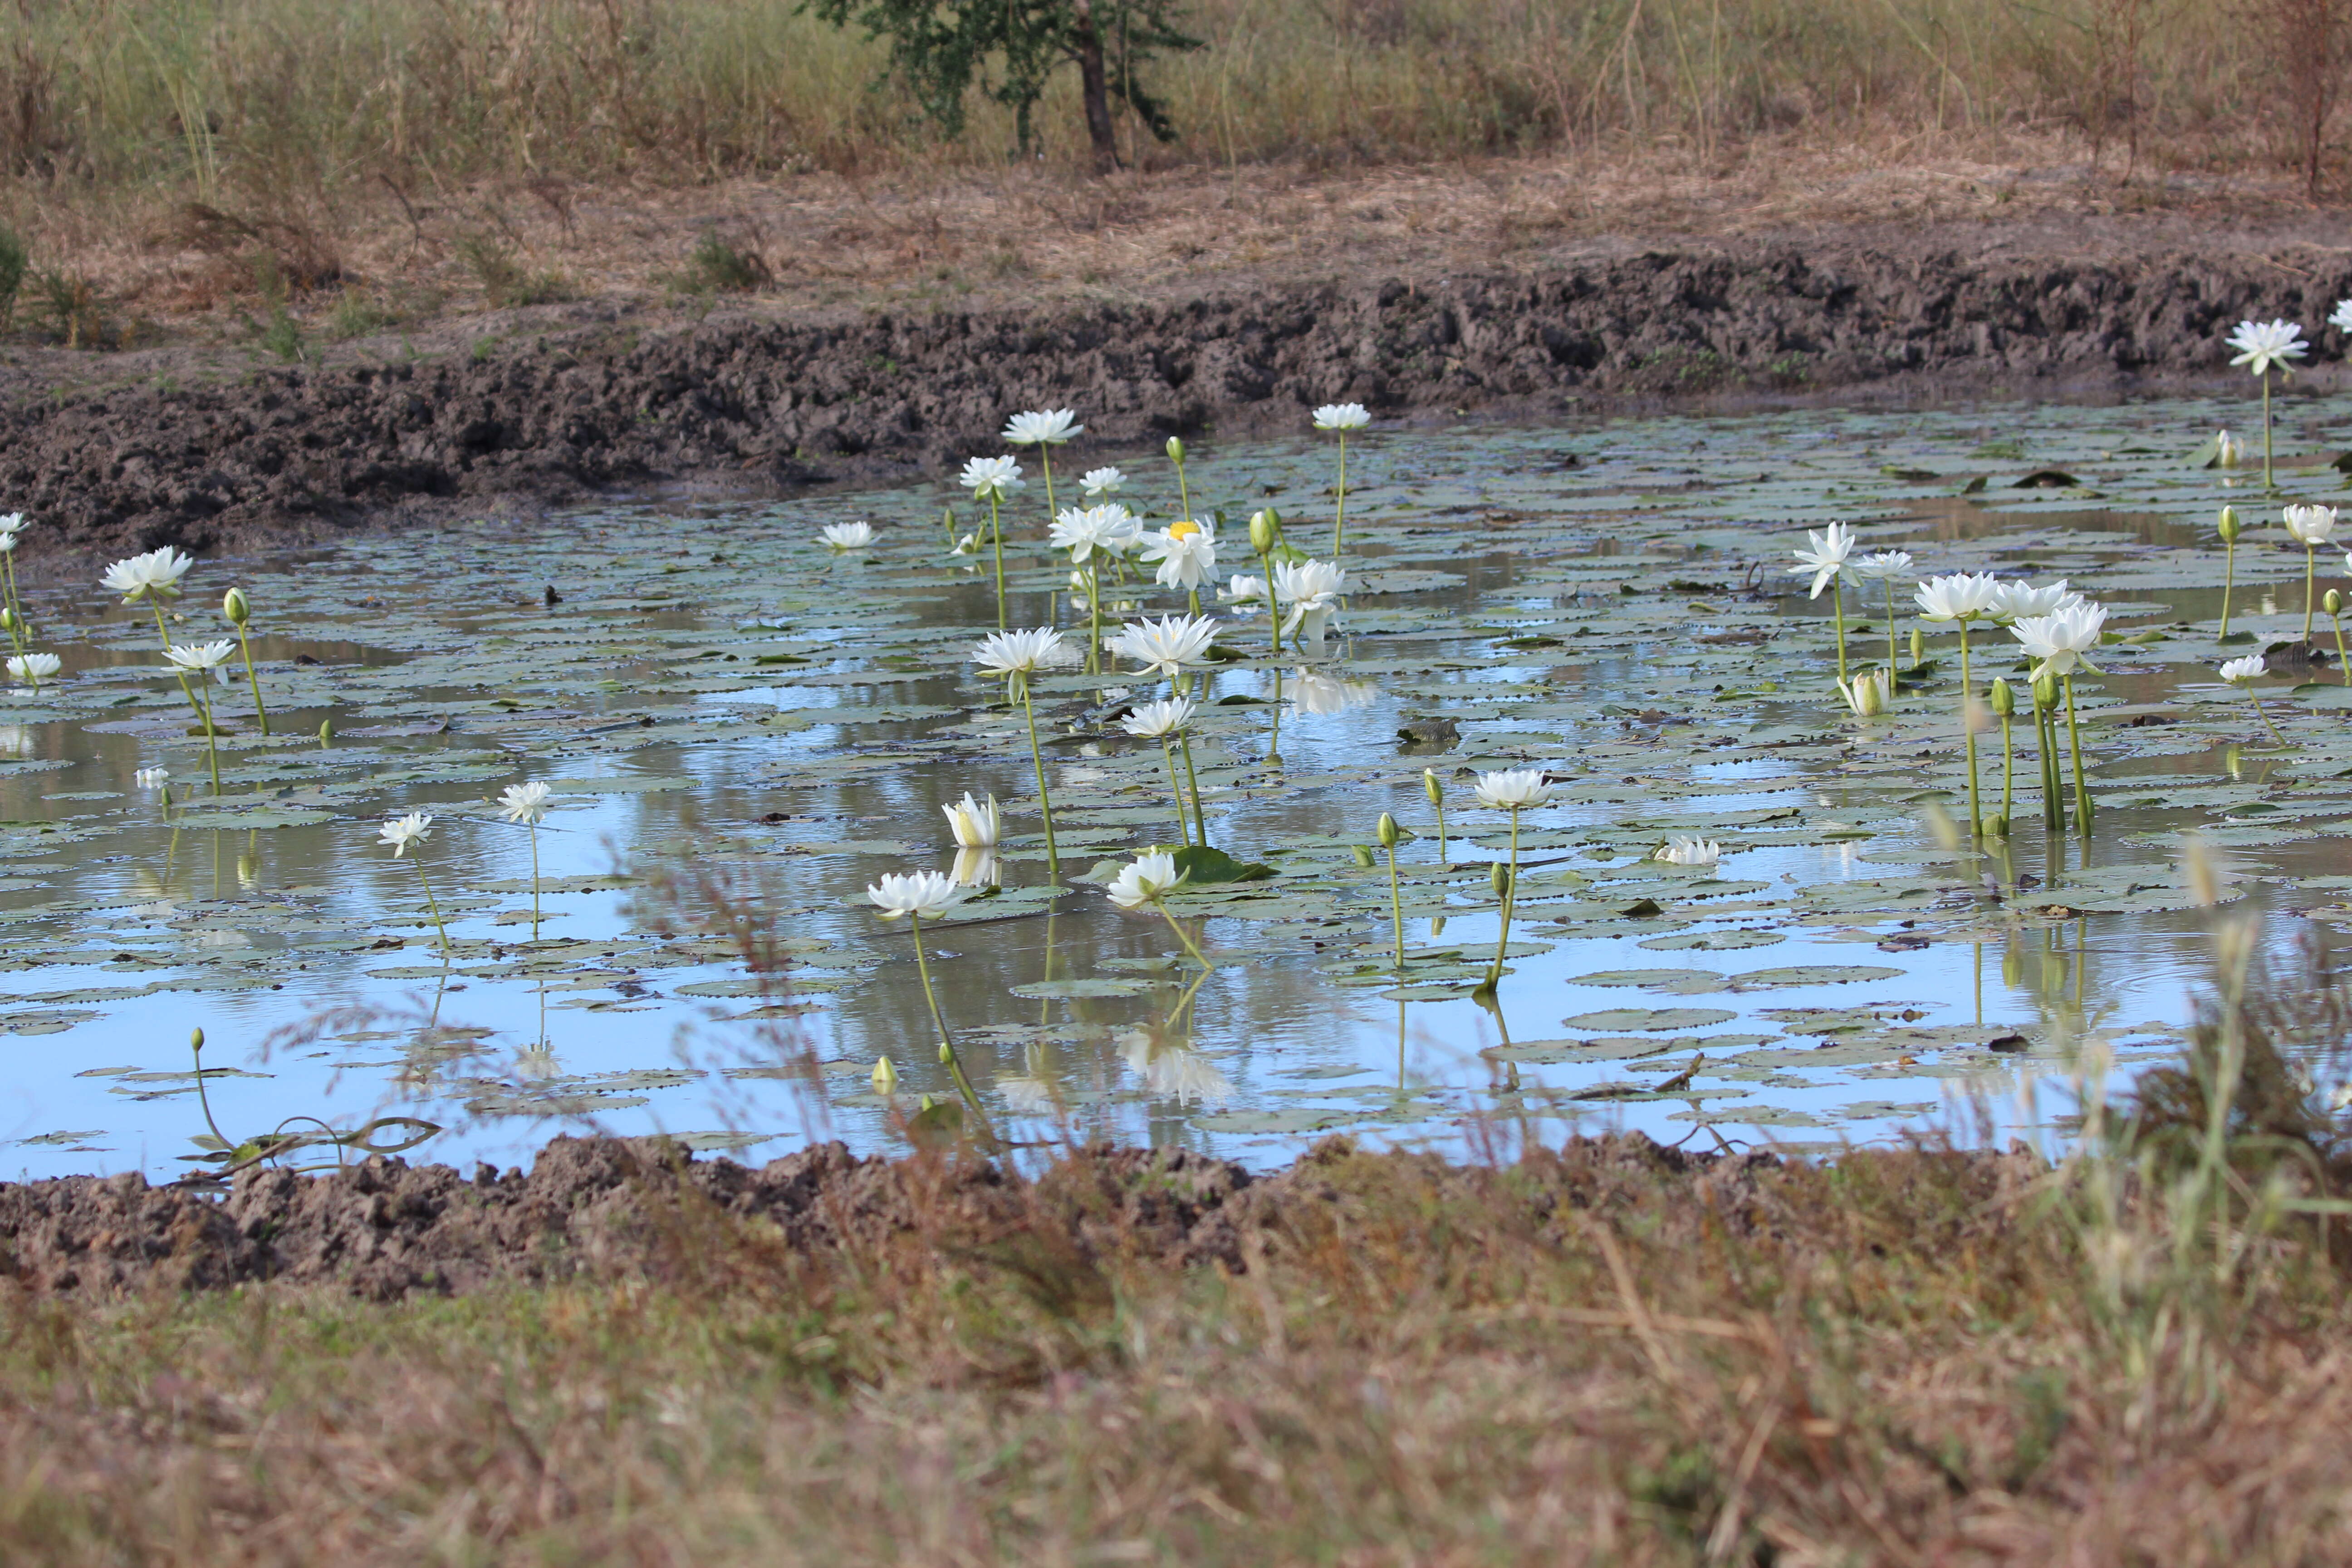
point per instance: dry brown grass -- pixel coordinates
(1582, 1358)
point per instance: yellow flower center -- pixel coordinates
(1183, 529)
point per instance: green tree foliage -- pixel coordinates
(1010, 48)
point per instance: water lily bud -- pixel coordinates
(2229, 527)
(1499, 879)
(886, 1077)
(1363, 855)
(233, 607)
(2334, 602)
(946, 1056)
(1265, 527)
(1431, 787)
(1918, 647)
(326, 733)
(7, 620)
(2004, 702)
(1176, 448)
(2045, 694)
(197, 1039)
(1387, 831)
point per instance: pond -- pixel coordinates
(744, 728)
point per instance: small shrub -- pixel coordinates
(355, 315)
(16, 258)
(506, 281)
(716, 266)
(282, 335)
(71, 304)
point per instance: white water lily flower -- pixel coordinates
(2341, 317)
(1825, 557)
(1145, 880)
(404, 831)
(1172, 1071)
(1243, 590)
(524, 803)
(1156, 721)
(2059, 640)
(1868, 695)
(1102, 482)
(1187, 554)
(1680, 851)
(974, 824)
(1341, 417)
(1879, 567)
(156, 573)
(1022, 653)
(992, 479)
(1084, 530)
(1317, 695)
(1049, 428)
(150, 778)
(203, 659)
(2240, 672)
(1168, 645)
(2309, 525)
(2262, 346)
(1506, 789)
(2018, 601)
(2228, 450)
(922, 894)
(34, 667)
(1309, 592)
(1956, 596)
(848, 535)
(968, 544)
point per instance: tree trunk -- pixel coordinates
(1094, 87)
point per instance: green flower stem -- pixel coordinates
(2265, 714)
(2074, 738)
(1890, 639)
(1045, 456)
(996, 539)
(1968, 736)
(1184, 491)
(203, 1101)
(2229, 580)
(1273, 605)
(1441, 860)
(2008, 771)
(1837, 608)
(1396, 909)
(432, 904)
(1339, 524)
(534, 881)
(1094, 612)
(2053, 809)
(1161, 905)
(1184, 740)
(2269, 484)
(177, 673)
(1175, 791)
(1510, 897)
(2310, 577)
(212, 747)
(245, 647)
(953, 1063)
(1044, 805)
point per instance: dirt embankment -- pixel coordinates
(606, 1208)
(576, 400)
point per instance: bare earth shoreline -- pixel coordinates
(211, 448)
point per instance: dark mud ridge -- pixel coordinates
(775, 404)
(602, 1207)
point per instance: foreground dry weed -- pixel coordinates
(1590, 1357)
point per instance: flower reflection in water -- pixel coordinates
(976, 868)
(1173, 1069)
(1318, 696)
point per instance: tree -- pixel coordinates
(1012, 47)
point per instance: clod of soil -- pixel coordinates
(775, 404)
(605, 1207)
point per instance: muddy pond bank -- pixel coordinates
(210, 454)
(592, 1208)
